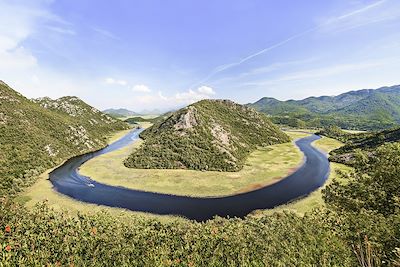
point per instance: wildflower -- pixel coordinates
(7, 229)
(8, 248)
(94, 231)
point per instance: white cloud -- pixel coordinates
(141, 88)
(206, 90)
(115, 81)
(179, 99)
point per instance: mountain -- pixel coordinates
(41, 133)
(362, 109)
(207, 135)
(120, 112)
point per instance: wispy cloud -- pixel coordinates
(105, 33)
(61, 30)
(141, 88)
(115, 81)
(323, 72)
(379, 11)
(329, 22)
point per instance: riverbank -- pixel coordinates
(266, 158)
(313, 200)
(264, 166)
(42, 191)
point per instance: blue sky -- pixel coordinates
(166, 54)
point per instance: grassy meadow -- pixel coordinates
(264, 166)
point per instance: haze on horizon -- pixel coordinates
(166, 54)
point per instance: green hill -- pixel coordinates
(364, 142)
(120, 112)
(363, 109)
(38, 134)
(207, 135)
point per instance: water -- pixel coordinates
(310, 176)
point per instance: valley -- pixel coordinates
(260, 176)
(199, 133)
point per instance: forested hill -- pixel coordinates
(207, 135)
(39, 134)
(366, 142)
(362, 109)
(120, 112)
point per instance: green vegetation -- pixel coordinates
(314, 200)
(263, 166)
(364, 109)
(360, 224)
(343, 136)
(357, 224)
(150, 119)
(368, 202)
(208, 135)
(120, 112)
(357, 142)
(44, 237)
(37, 135)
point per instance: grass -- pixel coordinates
(314, 200)
(263, 167)
(42, 191)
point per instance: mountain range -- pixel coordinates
(362, 109)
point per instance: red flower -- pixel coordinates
(8, 248)
(8, 229)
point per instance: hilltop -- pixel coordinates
(38, 134)
(207, 135)
(362, 109)
(120, 112)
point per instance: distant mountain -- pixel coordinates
(207, 135)
(362, 109)
(41, 133)
(120, 112)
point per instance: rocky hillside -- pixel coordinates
(38, 134)
(363, 109)
(207, 135)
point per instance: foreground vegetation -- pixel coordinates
(360, 225)
(212, 135)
